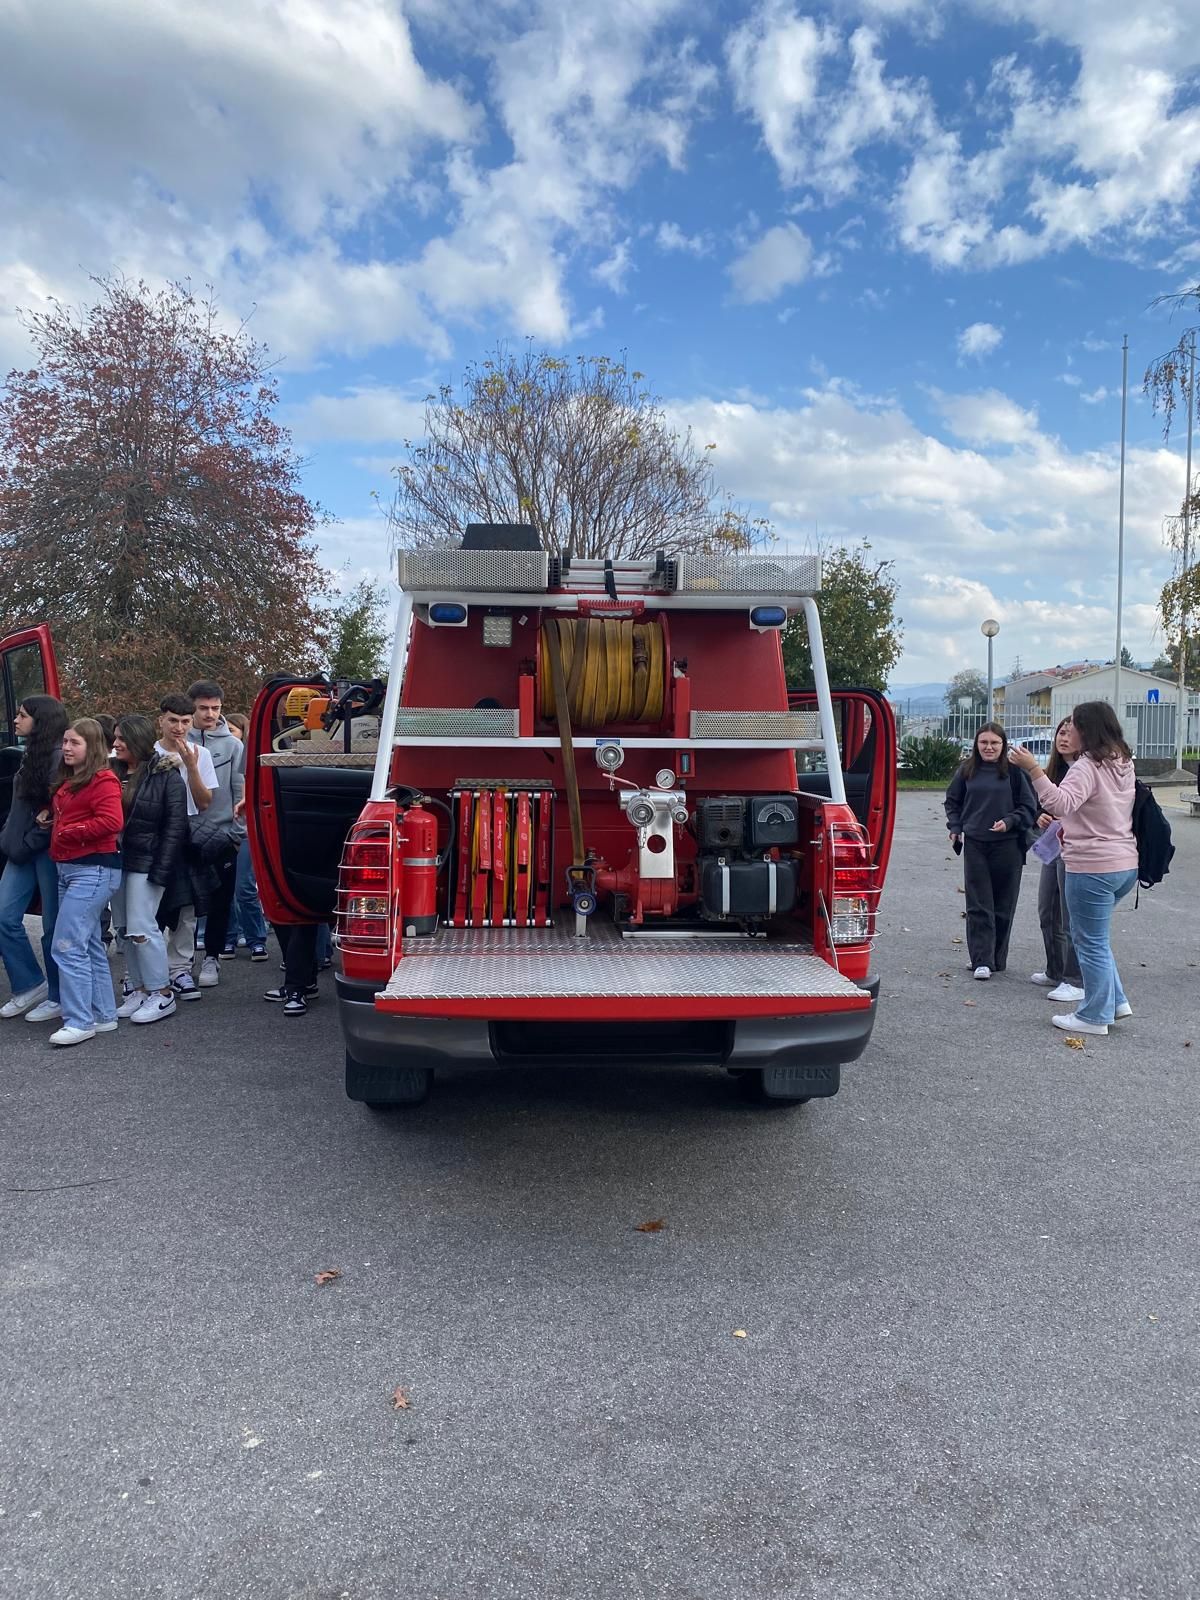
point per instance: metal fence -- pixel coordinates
(1150, 729)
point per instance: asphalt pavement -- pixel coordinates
(967, 1288)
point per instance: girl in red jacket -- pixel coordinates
(86, 819)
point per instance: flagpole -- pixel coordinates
(1119, 707)
(1181, 706)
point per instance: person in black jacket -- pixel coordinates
(151, 847)
(990, 809)
(28, 870)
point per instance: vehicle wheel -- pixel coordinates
(761, 1086)
(386, 1088)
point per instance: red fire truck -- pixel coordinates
(597, 827)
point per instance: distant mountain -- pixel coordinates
(917, 691)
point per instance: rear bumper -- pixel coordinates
(818, 1041)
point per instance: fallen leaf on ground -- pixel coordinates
(1150, 1317)
(1073, 1042)
(655, 1225)
(400, 1400)
(330, 1275)
(739, 1333)
(970, 1002)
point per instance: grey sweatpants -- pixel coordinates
(1055, 920)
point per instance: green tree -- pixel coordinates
(967, 684)
(861, 630)
(358, 633)
(581, 450)
(1127, 657)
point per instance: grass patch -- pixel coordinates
(925, 784)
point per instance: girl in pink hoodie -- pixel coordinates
(1095, 805)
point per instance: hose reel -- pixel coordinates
(615, 670)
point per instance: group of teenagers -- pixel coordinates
(1078, 815)
(140, 824)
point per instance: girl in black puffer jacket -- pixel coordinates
(155, 805)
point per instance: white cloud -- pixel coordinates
(979, 340)
(670, 236)
(775, 62)
(987, 418)
(366, 413)
(981, 516)
(1096, 396)
(613, 271)
(779, 259)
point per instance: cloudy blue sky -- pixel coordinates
(880, 252)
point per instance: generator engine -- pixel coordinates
(741, 878)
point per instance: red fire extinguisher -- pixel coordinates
(420, 863)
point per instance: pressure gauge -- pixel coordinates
(664, 779)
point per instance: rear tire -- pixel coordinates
(386, 1088)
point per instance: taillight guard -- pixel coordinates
(365, 890)
(854, 902)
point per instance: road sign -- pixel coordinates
(1151, 697)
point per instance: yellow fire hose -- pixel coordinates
(613, 670)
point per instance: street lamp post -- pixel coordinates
(990, 628)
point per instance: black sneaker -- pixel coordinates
(258, 952)
(282, 994)
(185, 987)
(229, 953)
(295, 1005)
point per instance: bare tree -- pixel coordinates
(579, 449)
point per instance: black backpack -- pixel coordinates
(1152, 832)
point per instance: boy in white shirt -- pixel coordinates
(198, 773)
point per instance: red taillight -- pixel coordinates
(364, 896)
(855, 894)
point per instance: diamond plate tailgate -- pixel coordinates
(547, 974)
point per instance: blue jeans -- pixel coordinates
(1091, 897)
(85, 982)
(17, 884)
(246, 918)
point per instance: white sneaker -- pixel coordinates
(983, 972)
(131, 1002)
(210, 973)
(21, 1003)
(1066, 991)
(155, 1008)
(48, 1011)
(106, 1027)
(1073, 1024)
(1042, 979)
(72, 1035)
(1123, 1010)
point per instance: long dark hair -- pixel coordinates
(1057, 766)
(1100, 734)
(37, 768)
(96, 759)
(974, 761)
(138, 733)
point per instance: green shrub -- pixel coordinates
(931, 757)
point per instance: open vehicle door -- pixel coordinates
(304, 790)
(867, 739)
(27, 666)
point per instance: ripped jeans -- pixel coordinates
(134, 910)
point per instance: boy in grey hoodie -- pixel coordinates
(217, 833)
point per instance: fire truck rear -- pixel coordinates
(597, 826)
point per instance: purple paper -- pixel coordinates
(1048, 847)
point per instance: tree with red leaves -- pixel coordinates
(150, 504)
